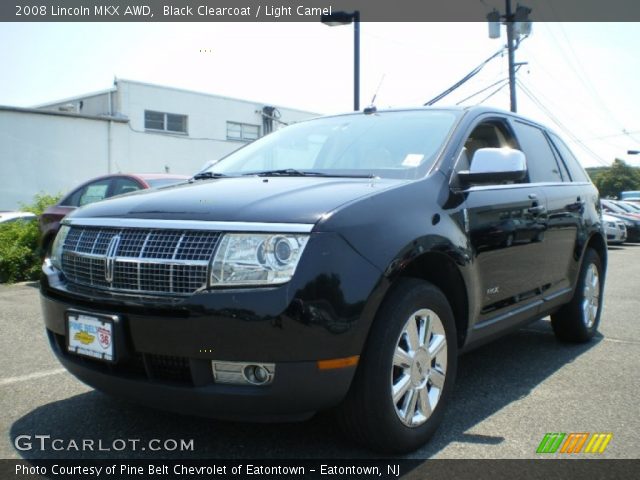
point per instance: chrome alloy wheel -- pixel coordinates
(419, 367)
(590, 296)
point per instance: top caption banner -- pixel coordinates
(308, 10)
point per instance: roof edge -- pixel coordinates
(105, 118)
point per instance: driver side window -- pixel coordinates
(487, 134)
(94, 192)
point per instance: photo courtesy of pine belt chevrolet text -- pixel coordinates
(340, 263)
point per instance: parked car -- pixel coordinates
(9, 217)
(630, 195)
(98, 189)
(615, 229)
(635, 207)
(630, 220)
(338, 262)
(628, 206)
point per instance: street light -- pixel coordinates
(345, 18)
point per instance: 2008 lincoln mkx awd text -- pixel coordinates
(339, 262)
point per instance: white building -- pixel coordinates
(133, 127)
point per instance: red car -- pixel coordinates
(98, 189)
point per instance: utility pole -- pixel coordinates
(511, 54)
(356, 61)
(517, 24)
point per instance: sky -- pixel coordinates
(583, 77)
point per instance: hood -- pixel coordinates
(241, 199)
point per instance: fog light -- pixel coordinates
(243, 373)
(256, 374)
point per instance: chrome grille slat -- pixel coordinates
(146, 261)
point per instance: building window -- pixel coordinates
(165, 122)
(244, 132)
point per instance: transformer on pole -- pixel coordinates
(518, 24)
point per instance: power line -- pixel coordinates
(464, 79)
(625, 133)
(576, 65)
(566, 130)
(541, 96)
(589, 83)
(493, 93)
(483, 90)
(488, 87)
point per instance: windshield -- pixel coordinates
(626, 207)
(401, 144)
(613, 207)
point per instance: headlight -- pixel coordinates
(611, 225)
(56, 248)
(256, 259)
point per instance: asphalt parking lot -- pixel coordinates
(508, 394)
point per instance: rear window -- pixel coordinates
(541, 162)
(575, 169)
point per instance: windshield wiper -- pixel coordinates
(292, 172)
(205, 175)
(284, 172)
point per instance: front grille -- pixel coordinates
(136, 260)
(169, 368)
(147, 366)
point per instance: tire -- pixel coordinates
(369, 414)
(578, 320)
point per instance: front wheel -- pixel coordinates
(406, 372)
(578, 320)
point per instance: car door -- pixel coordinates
(565, 204)
(506, 227)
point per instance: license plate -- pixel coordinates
(90, 335)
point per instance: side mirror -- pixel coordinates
(494, 165)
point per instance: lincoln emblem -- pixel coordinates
(110, 259)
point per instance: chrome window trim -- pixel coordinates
(158, 224)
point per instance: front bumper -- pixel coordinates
(633, 233)
(164, 352)
(617, 234)
(186, 386)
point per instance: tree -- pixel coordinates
(617, 178)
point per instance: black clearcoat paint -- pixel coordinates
(515, 262)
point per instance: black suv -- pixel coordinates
(339, 262)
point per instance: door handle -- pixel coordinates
(537, 209)
(576, 206)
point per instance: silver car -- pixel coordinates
(615, 229)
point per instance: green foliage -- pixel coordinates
(41, 201)
(615, 179)
(20, 255)
(594, 172)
